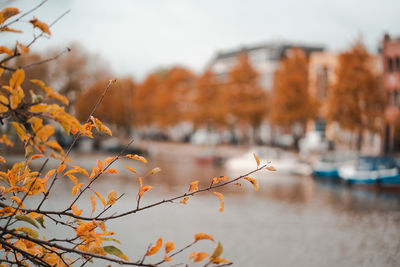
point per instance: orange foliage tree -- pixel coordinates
(208, 102)
(25, 190)
(244, 99)
(355, 100)
(117, 104)
(291, 101)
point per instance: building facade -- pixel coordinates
(391, 85)
(264, 59)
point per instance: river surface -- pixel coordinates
(291, 221)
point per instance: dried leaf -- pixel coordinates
(194, 186)
(28, 231)
(5, 50)
(257, 159)
(271, 168)
(109, 160)
(76, 211)
(253, 181)
(111, 197)
(7, 13)
(76, 188)
(101, 198)
(169, 246)
(217, 251)
(61, 168)
(198, 256)
(153, 250)
(113, 171)
(93, 201)
(41, 25)
(144, 189)
(130, 168)
(221, 200)
(201, 236)
(22, 49)
(216, 180)
(27, 219)
(136, 157)
(184, 200)
(154, 171)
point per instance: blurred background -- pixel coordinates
(312, 87)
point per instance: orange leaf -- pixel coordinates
(140, 181)
(169, 246)
(221, 198)
(216, 180)
(130, 168)
(7, 13)
(84, 228)
(108, 160)
(101, 198)
(5, 50)
(253, 181)
(271, 168)
(257, 159)
(136, 157)
(198, 256)
(17, 78)
(93, 200)
(53, 144)
(111, 197)
(154, 171)
(22, 49)
(73, 178)
(37, 156)
(76, 211)
(144, 189)
(100, 164)
(111, 171)
(2, 159)
(184, 200)
(155, 248)
(166, 258)
(194, 186)
(76, 188)
(81, 170)
(201, 236)
(61, 168)
(4, 139)
(41, 25)
(106, 130)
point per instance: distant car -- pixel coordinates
(330, 162)
(371, 170)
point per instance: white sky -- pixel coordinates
(138, 36)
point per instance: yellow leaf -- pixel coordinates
(115, 251)
(5, 50)
(20, 129)
(136, 157)
(257, 159)
(198, 256)
(169, 246)
(184, 200)
(218, 260)
(45, 132)
(144, 189)
(201, 236)
(84, 228)
(154, 171)
(100, 164)
(93, 200)
(41, 25)
(271, 168)
(28, 231)
(106, 130)
(194, 186)
(130, 168)
(17, 78)
(6, 141)
(18, 201)
(253, 181)
(55, 146)
(111, 197)
(216, 180)
(101, 198)
(76, 188)
(221, 198)
(217, 252)
(153, 250)
(81, 170)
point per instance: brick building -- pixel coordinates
(391, 85)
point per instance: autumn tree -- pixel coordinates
(291, 102)
(173, 100)
(208, 102)
(117, 104)
(25, 190)
(355, 100)
(244, 98)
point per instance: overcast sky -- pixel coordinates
(138, 36)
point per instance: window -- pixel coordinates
(390, 64)
(397, 63)
(389, 98)
(396, 97)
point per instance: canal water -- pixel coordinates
(291, 221)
